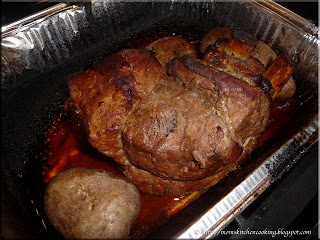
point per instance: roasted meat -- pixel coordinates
(241, 55)
(149, 183)
(243, 108)
(107, 95)
(174, 135)
(267, 57)
(167, 48)
(250, 70)
(176, 123)
(212, 36)
(279, 73)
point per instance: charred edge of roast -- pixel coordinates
(264, 84)
(223, 82)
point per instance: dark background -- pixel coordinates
(293, 199)
(12, 11)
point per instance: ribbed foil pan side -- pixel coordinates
(42, 43)
(224, 211)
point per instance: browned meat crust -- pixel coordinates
(167, 48)
(240, 45)
(243, 108)
(173, 135)
(241, 55)
(179, 133)
(212, 36)
(279, 72)
(152, 184)
(250, 70)
(106, 96)
(149, 183)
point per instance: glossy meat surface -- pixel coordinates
(243, 108)
(167, 48)
(249, 70)
(106, 96)
(172, 134)
(175, 123)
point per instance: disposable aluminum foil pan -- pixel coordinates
(42, 50)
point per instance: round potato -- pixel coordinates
(287, 91)
(90, 203)
(266, 56)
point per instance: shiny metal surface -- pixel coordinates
(41, 40)
(210, 223)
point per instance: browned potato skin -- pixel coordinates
(262, 52)
(266, 56)
(168, 48)
(279, 72)
(213, 36)
(91, 204)
(287, 91)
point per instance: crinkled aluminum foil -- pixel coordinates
(41, 43)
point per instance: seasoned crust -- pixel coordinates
(239, 48)
(106, 96)
(92, 96)
(173, 135)
(250, 70)
(240, 45)
(228, 95)
(279, 72)
(134, 71)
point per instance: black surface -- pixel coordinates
(13, 11)
(307, 9)
(290, 204)
(294, 198)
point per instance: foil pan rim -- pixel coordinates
(33, 19)
(210, 223)
(289, 16)
(268, 5)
